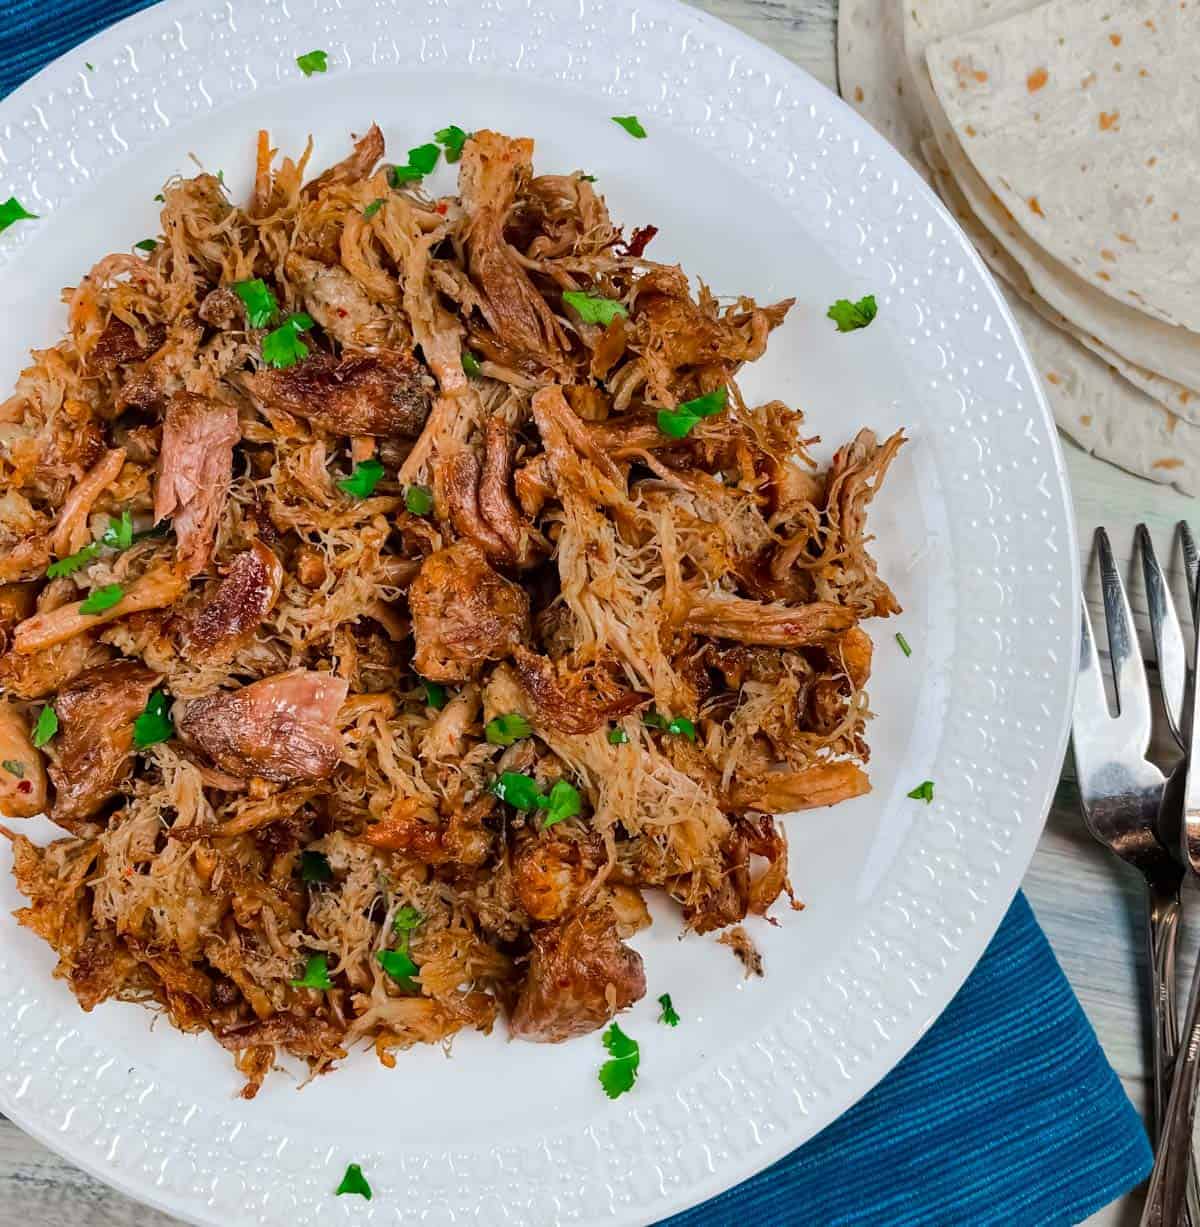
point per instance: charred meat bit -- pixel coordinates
(283, 728)
(384, 394)
(245, 596)
(464, 614)
(118, 346)
(744, 949)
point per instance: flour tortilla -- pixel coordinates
(1081, 116)
(1172, 352)
(1102, 412)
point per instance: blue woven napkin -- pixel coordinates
(1006, 1112)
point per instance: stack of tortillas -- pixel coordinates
(1065, 139)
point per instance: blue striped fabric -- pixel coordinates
(1006, 1112)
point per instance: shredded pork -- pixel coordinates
(277, 684)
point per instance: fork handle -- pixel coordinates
(1162, 926)
(1166, 1198)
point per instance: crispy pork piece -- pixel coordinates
(195, 467)
(384, 394)
(94, 742)
(118, 346)
(368, 149)
(580, 974)
(22, 772)
(781, 792)
(242, 600)
(336, 301)
(782, 626)
(283, 728)
(464, 614)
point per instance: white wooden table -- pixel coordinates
(1087, 902)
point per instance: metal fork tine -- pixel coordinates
(1168, 638)
(1091, 703)
(1191, 560)
(1129, 675)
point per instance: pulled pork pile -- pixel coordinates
(297, 648)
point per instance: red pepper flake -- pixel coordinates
(1036, 80)
(640, 240)
(1035, 206)
(342, 312)
(441, 207)
(1115, 39)
(25, 786)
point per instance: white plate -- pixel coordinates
(762, 182)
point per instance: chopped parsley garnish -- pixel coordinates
(903, 644)
(362, 481)
(153, 724)
(373, 208)
(399, 967)
(89, 67)
(471, 364)
(679, 421)
(451, 138)
(504, 730)
(72, 562)
(849, 315)
(923, 792)
(101, 599)
(617, 737)
(588, 178)
(314, 866)
(15, 767)
(619, 1073)
(313, 61)
(12, 210)
(564, 803)
(421, 162)
(316, 974)
(594, 308)
(631, 124)
(668, 1016)
(259, 300)
(146, 244)
(679, 725)
(354, 1182)
(46, 727)
(283, 347)
(406, 920)
(418, 500)
(160, 198)
(435, 695)
(119, 533)
(520, 791)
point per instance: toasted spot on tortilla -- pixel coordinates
(1184, 396)
(1108, 120)
(1142, 72)
(1151, 161)
(1169, 463)
(1103, 276)
(1124, 238)
(1051, 377)
(1174, 217)
(970, 130)
(1090, 79)
(1085, 419)
(1105, 254)
(858, 93)
(1115, 39)
(1036, 80)
(1149, 24)
(1037, 208)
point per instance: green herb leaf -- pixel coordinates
(88, 66)
(362, 481)
(564, 803)
(679, 421)
(407, 919)
(471, 365)
(424, 158)
(161, 198)
(101, 599)
(259, 300)
(73, 562)
(620, 1073)
(153, 724)
(668, 1016)
(593, 308)
(617, 737)
(418, 500)
(435, 695)
(683, 727)
(283, 347)
(652, 720)
(14, 767)
(313, 61)
(849, 315)
(399, 967)
(588, 178)
(146, 244)
(398, 176)
(12, 210)
(903, 644)
(316, 974)
(314, 866)
(119, 533)
(923, 792)
(354, 1182)
(520, 791)
(46, 727)
(631, 124)
(451, 138)
(373, 207)
(504, 730)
